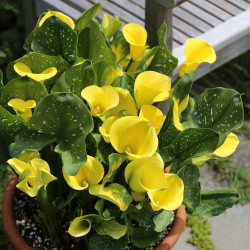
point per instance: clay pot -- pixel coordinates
(18, 242)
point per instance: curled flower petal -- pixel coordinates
(145, 174)
(59, 15)
(23, 70)
(91, 173)
(151, 87)
(228, 147)
(136, 36)
(176, 114)
(106, 126)
(22, 108)
(154, 115)
(80, 226)
(100, 99)
(169, 198)
(126, 103)
(196, 52)
(134, 135)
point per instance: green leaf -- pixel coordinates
(84, 20)
(192, 142)
(75, 79)
(142, 212)
(105, 73)
(104, 150)
(219, 109)
(126, 81)
(23, 88)
(115, 161)
(165, 138)
(164, 62)
(83, 43)
(190, 175)
(61, 118)
(114, 193)
(54, 38)
(110, 25)
(162, 220)
(98, 48)
(215, 202)
(10, 124)
(38, 63)
(102, 242)
(1, 81)
(145, 237)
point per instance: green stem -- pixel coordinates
(51, 217)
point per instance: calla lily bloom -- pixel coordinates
(126, 103)
(32, 176)
(136, 36)
(106, 126)
(100, 99)
(196, 52)
(169, 198)
(23, 70)
(80, 62)
(59, 15)
(177, 110)
(91, 173)
(228, 147)
(146, 174)
(154, 115)
(22, 108)
(134, 135)
(151, 87)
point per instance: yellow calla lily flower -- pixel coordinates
(22, 108)
(126, 102)
(169, 198)
(145, 174)
(196, 52)
(80, 226)
(59, 15)
(151, 87)
(228, 147)
(120, 58)
(91, 173)
(138, 196)
(106, 126)
(100, 99)
(23, 70)
(33, 176)
(177, 110)
(136, 36)
(134, 135)
(154, 115)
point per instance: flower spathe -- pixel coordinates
(136, 36)
(91, 173)
(228, 147)
(32, 176)
(59, 15)
(23, 70)
(151, 87)
(106, 126)
(22, 108)
(196, 52)
(145, 174)
(169, 198)
(154, 115)
(100, 99)
(134, 135)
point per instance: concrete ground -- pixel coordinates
(230, 230)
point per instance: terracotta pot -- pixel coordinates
(18, 242)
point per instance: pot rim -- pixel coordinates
(19, 243)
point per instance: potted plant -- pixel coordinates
(81, 126)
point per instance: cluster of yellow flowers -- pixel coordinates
(130, 124)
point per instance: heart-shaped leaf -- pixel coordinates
(61, 118)
(54, 38)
